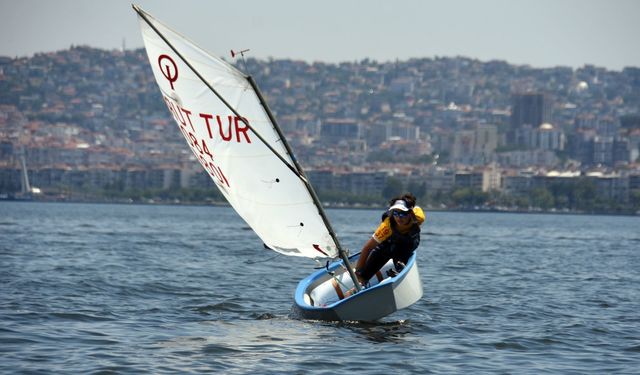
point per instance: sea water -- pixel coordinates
(136, 289)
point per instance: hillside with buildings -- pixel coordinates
(460, 133)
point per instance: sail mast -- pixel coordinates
(26, 187)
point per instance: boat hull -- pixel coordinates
(322, 296)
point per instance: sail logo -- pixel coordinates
(212, 129)
(169, 69)
(230, 128)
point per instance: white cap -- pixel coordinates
(399, 205)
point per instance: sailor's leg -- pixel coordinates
(403, 249)
(377, 258)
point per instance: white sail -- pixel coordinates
(266, 190)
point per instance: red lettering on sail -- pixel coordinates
(224, 178)
(170, 73)
(200, 149)
(194, 143)
(206, 118)
(226, 137)
(242, 130)
(205, 149)
(188, 114)
(170, 105)
(180, 117)
(230, 128)
(213, 170)
(228, 125)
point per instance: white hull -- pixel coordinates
(324, 297)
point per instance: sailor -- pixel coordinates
(397, 236)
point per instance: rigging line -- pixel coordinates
(346, 288)
(262, 261)
(333, 275)
(244, 121)
(241, 53)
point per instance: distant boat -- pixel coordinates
(232, 132)
(27, 192)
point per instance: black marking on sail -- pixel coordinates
(271, 182)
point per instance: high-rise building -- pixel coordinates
(335, 130)
(532, 109)
(476, 146)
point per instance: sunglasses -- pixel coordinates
(400, 213)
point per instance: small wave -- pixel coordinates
(509, 345)
(572, 238)
(549, 341)
(97, 342)
(111, 370)
(65, 234)
(455, 267)
(15, 340)
(219, 349)
(81, 317)
(93, 333)
(456, 235)
(601, 303)
(265, 316)
(218, 307)
(634, 349)
(360, 232)
(436, 234)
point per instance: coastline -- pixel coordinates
(333, 206)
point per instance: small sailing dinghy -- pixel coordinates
(232, 132)
(325, 295)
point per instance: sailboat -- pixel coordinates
(234, 135)
(27, 192)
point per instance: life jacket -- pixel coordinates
(406, 241)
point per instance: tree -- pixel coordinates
(419, 189)
(467, 197)
(542, 198)
(584, 194)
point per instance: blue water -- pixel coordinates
(173, 289)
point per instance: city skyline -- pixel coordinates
(565, 33)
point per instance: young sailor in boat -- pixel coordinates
(395, 238)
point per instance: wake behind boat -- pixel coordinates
(233, 134)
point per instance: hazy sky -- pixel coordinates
(541, 33)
